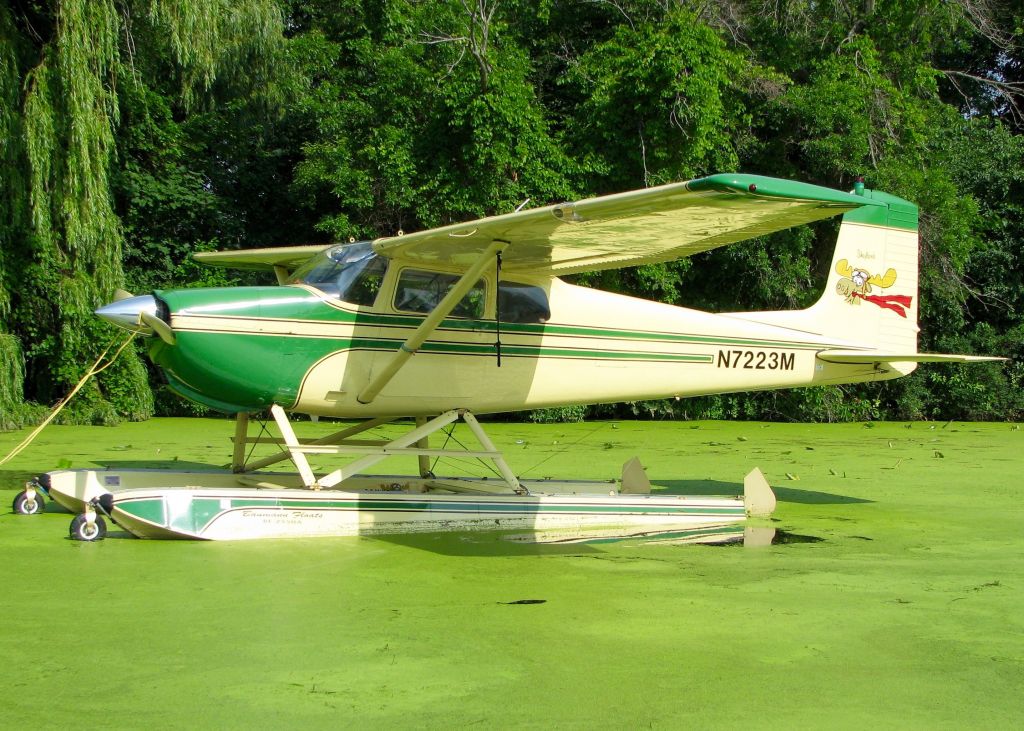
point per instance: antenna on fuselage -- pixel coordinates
(497, 302)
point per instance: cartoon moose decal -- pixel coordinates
(856, 285)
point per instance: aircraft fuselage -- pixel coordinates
(245, 348)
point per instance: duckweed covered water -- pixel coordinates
(906, 613)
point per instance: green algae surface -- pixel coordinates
(906, 614)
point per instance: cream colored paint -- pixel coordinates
(431, 382)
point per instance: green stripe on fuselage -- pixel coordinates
(248, 371)
(298, 304)
(230, 366)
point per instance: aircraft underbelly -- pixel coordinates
(540, 372)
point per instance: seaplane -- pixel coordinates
(435, 327)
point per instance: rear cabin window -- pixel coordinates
(522, 303)
(420, 291)
(350, 272)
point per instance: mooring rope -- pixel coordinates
(96, 368)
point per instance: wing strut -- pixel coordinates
(430, 323)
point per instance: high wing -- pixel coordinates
(287, 257)
(627, 229)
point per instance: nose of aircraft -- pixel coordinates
(128, 313)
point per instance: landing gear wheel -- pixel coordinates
(26, 504)
(82, 530)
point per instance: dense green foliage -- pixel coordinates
(134, 133)
(63, 66)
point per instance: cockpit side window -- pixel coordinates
(351, 272)
(420, 291)
(522, 303)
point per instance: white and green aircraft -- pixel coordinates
(474, 318)
(420, 324)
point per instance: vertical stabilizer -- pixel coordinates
(870, 298)
(867, 315)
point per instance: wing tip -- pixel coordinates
(764, 186)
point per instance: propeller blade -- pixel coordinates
(158, 326)
(121, 294)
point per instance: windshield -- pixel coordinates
(350, 272)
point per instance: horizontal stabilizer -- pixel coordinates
(878, 356)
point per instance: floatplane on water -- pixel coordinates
(474, 318)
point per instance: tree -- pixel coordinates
(63, 63)
(423, 116)
(134, 132)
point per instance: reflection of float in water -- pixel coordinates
(717, 535)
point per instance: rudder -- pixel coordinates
(871, 293)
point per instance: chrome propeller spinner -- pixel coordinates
(137, 314)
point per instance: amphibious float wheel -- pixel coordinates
(28, 504)
(81, 530)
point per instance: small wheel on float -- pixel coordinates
(26, 503)
(83, 530)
